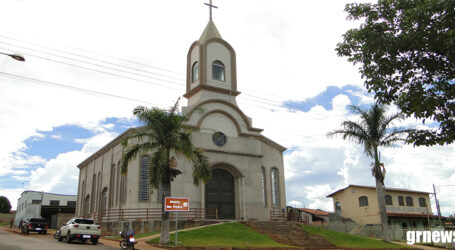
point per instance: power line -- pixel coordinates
(263, 99)
(96, 53)
(87, 91)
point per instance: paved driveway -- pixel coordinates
(13, 240)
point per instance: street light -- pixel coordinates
(14, 56)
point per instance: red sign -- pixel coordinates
(177, 204)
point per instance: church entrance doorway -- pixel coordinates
(219, 194)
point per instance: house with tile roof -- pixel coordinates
(406, 208)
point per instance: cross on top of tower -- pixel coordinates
(211, 6)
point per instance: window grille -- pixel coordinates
(275, 188)
(409, 201)
(54, 203)
(422, 202)
(388, 200)
(264, 194)
(363, 201)
(400, 201)
(144, 183)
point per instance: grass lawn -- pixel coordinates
(4, 223)
(138, 236)
(224, 235)
(349, 240)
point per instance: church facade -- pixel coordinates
(247, 168)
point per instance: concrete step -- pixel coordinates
(290, 233)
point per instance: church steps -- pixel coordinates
(290, 233)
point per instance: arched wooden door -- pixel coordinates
(219, 194)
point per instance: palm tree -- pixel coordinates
(163, 136)
(375, 129)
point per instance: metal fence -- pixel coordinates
(290, 214)
(147, 214)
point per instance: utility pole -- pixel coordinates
(437, 206)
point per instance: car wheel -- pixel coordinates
(95, 241)
(68, 239)
(83, 241)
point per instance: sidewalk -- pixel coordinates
(417, 246)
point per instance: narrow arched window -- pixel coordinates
(218, 70)
(363, 201)
(388, 200)
(87, 206)
(195, 72)
(409, 201)
(264, 194)
(144, 182)
(104, 200)
(275, 187)
(422, 202)
(111, 186)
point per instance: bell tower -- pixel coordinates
(211, 68)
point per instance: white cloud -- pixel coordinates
(60, 175)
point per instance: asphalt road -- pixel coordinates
(16, 241)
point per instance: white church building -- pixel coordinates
(247, 168)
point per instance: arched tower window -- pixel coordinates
(218, 70)
(275, 188)
(144, 183)
(195, 72)
(264, 193)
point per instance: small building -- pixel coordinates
(316, 216)
(406, 208)
(35, 204)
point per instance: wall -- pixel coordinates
(6, 217)
(349, 199)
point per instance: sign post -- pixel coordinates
(176, 204)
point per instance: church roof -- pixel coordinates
(209, 32)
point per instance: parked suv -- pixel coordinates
(34, 225)
(82, 229)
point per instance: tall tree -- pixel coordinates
(373, 130)
(5, 205)
(405, 49)
(163, 137)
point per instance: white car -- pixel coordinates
(82, 229)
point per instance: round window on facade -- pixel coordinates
(219, 138)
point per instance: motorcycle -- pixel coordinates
(128, 240)
(57, 234)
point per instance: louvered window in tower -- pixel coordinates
(275, 188)
(144, 183)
